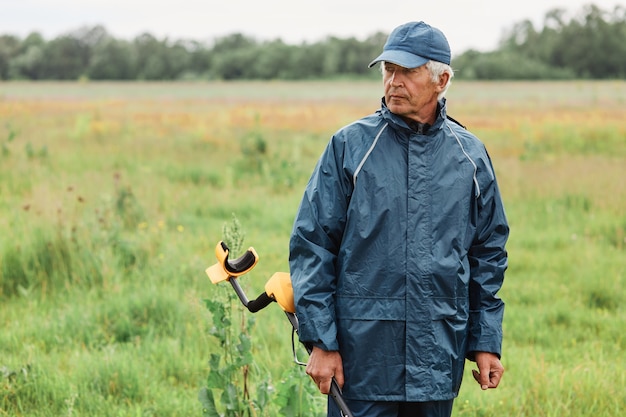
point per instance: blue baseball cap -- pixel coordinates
(414, 44)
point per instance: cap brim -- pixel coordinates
(402, 58)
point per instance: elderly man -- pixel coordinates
(398, 247)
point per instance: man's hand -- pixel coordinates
(490, 370)
(323, 366)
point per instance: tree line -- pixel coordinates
(591, 45)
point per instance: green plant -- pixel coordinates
(229, 369)
(12, 382)
(127, 206)
(297, 396)
(294, 396)
(11, 135)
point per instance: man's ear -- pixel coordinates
(443, 81)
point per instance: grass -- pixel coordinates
(113, 196)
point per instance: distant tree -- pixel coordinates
(307, 61)
(177, 60)
(161, 60)
(591, 45)
(9, 47)
(28, 61)
(112, 59)
(238, 64)
(356, 55)
(89, 37)
(200, 60)
(234, 57)
(67, 56)
(274, 61)
(63, 59)
(332, 59)
(372, 47)
(152, 58)
(227, 44)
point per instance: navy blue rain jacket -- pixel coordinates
(397, 255)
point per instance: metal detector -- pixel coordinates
(278, 288)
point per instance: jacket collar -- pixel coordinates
(399, 123)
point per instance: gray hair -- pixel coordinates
(436, 69)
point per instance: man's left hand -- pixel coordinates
(490, 370)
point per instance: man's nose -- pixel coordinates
(395, 78)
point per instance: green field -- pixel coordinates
(114, 195)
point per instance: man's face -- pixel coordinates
(410, 92)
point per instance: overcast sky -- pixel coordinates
(468, 24)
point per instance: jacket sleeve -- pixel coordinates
(313, 248)
(488, 261)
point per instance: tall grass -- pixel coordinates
(113, 196)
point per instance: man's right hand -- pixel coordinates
(323, 366)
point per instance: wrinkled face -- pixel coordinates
(411, 92)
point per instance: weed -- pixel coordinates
(32, 153)
(229, 370)
(11, 135)
(13, 381)
(13, 275)
(127, 207)
(297, 397)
